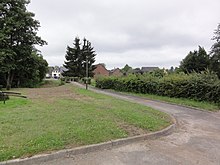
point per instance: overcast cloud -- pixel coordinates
(135, 32)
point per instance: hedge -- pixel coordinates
(197, 86)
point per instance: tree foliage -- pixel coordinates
(215, 52)
(18, 37)
(77, 58)
(126, 69)
(196, 61)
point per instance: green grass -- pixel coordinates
(181, 101)
(49, 83)
(31, 126)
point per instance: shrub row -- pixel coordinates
(76, 79)
(197, 86)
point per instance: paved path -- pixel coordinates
(195, 141)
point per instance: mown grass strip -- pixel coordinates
(180, 101)
(76, 117)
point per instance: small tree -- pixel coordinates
(126, 70)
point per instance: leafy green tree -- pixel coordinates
(215, 52)
(195, 61)
(126, 69)
(17, 37)
(159, 73)
(78, 57)
(34, 71)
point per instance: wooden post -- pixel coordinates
(87, 67)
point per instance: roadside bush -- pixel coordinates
(198, 86)
(83, 80)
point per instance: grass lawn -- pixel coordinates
(67, 116)
(182, 101)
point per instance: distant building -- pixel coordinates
(100, 70)
(55, 72)
(148, 69)
(137, 71)
(116, 72)
(144, 70)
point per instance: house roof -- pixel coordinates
(62, 69)
(56, 68)
(147, 69)
(113, 70)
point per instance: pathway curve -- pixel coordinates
(195, 141)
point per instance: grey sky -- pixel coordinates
(135, 32)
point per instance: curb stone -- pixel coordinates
(92, 148)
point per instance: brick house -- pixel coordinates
(100, 70)
(116, 72)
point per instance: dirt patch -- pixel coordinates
(131, 129)
(52, 94)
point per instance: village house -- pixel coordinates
(148, 69)
(144, 70)
(100, 70)
(116, 72)
(55, 72)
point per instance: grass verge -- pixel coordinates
(67, 116)
(180, 101)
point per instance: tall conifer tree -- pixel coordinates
(77, 57)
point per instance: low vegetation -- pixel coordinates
(200, 87)
(203, 105)
(51, 83)
(66, 116)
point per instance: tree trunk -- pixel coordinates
(9, 80)
(8, 84)
(18, 83)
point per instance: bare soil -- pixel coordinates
(51, 94)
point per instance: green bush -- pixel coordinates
(88, 80)
(198, 86)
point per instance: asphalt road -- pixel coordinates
(195, 141)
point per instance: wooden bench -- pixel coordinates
(5, 95)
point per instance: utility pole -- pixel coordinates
(87, 72)
(87, 67)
